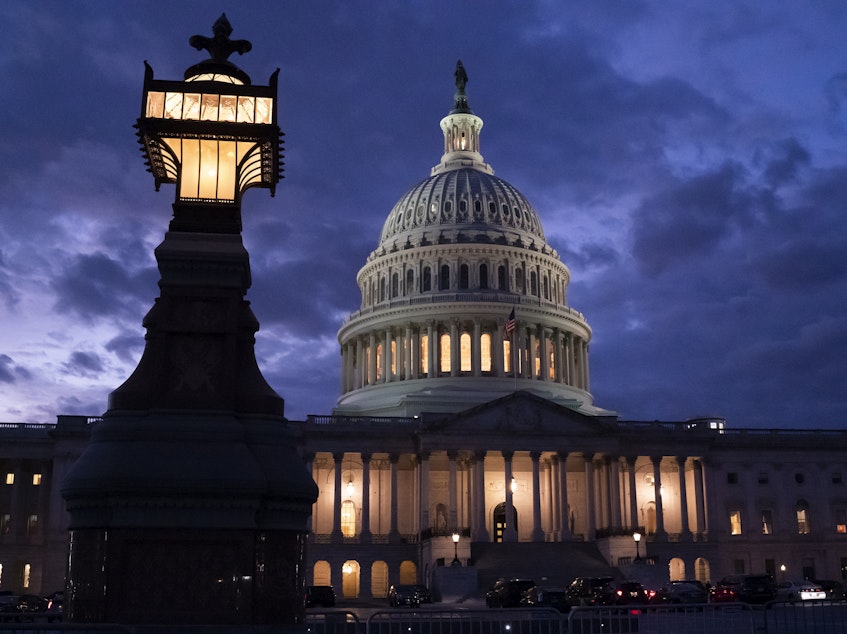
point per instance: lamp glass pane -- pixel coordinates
(173, 105)
(228, 103)
(189, 174)
(191, 106)
(155, 104)
(227, 168)
(208, 169)
(209, 108)
(246, 109)
(264, 108)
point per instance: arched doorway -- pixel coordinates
(676, 569)
(322, 574)
(408, 572)
(701, 570)
(500, 521)
(350, 579)
(379, 580)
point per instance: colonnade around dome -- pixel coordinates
(473, 347)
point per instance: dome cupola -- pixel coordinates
(461, 252)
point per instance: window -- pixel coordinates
(426, 283)
(732, 478)
(393, 372)
(32, 525)
(465, 352)
(444, 356)
(735, 522)
(348, 518)
(501, 278)
(767, 522)
(483, 276)
(424, 356)
(27, 572)
(738, 566)
(10, 478)
(485, 352)
(533, 283)
(395, 285)
(519, 285)
(803, 518)
(507, 356)
(36, 479)
(444, 282)
(379, 367)
(463, 276)
(841, 521)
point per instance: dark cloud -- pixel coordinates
(84, 364)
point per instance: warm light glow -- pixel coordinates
(514, 485)
(636, 536)
(208, 107)
(347, 569)
(10, 478)
(351, 488)
(456, 537)
(36, 479)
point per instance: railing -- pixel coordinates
(454, 621)
(371, 421)
(376, 538)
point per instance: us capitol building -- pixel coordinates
(466, 442)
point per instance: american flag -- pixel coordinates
(509, 328)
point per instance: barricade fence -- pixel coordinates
(490, 621)
(806, 617)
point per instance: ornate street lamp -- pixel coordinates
(637, 537)
(193, 472)
(456, 538)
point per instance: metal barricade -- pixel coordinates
(806, 617)
(333, 622)
(491, 621)
(730, 618)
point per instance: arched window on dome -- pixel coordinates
(395, 285)
(485, 352)
(410, 282)
(502, 282)
(463, 276)
(483, 276)
(424, 355)
(551, 360)
(507, 357)
(379, 366)
(546, 288)
(519, 285)
(465, 364)
(444, 282)
(426, 281)
(444, 353)
(382, 289)
(533, 284)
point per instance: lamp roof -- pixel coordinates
(220, 47)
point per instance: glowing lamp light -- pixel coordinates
(636, 536)
(514, 485)
(347, 569)
(214, 134)
(351, 488)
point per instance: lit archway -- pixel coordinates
(322, 574)
(350, 579)
(408, 572)
(676, 569)
(379, 580)
(702, 571)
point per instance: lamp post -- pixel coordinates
(636, 536)
(456, 538)
(194, 469)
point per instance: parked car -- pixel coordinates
(624, 593)
(683, 591)
(404, 595)
(423, 593)
(323, 596)
(587, 590)
(15, 607)
(834, 590)
(507, 593)
(55, 606)
(800, 591)
(546, 597)
(722, 594)
(750, 588)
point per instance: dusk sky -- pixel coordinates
(687, 159)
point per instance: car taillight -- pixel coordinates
(619, 593)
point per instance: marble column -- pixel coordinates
(365, 535)
(510, 534)
(661, 534)
(480, 526)
(537, 531)
(685, 531)
(337, 536)
(394, 533)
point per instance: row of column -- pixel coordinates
(604, 497)
(547, 354)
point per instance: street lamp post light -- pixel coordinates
(637, 537)
(456, 538)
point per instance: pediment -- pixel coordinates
(520, 413)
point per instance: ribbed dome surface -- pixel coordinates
(461, 200)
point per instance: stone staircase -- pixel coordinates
(548, 563)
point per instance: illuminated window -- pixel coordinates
(10, 478)
(735, 522)
(841, 521)
(27, 572)
(537, 360)
(802, 518)
(444, 356)
(485, 352)
(465, 350)
(507, 356)
(393, 359)
(424, 354)
(767, 523)
(379, 362)
(36, 479)
(348, 518)
(551, 364)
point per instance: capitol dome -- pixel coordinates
(462, 253)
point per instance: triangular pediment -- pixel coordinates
(517, 414)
